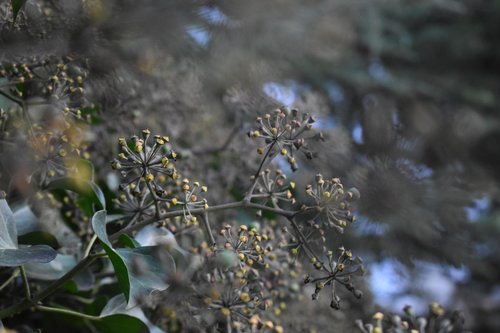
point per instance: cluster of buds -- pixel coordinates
(250, 246)
(255, 280)
(60, 79)
(284, 132)
(147, 163)
(241, 306)
(332, 202)
(339, 270)
(436, 321)
(275, 189)
(191, 199)
(56, 151)
(141, 162)
(135, 200)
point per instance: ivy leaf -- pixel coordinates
(121, 323)
(18, 257)
(55, 269)
(83, 187)
(39, 238)
(10, 253)
(127, 241)
(26, 221)
(138, 271)
(117, 306)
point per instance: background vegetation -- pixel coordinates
(405, 93)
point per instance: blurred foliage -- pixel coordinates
(406, 92)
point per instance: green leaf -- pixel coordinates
(117, 305)
(16, 7)
(10, 253)
(55, 269)
(18, 257)
(121, 323)
(128, 241)
(138, 271)
(39, 238)
(83, 187)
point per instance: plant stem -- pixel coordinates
(303, 240)
(155, 199)
(27, 290)
(66, 312)
(248, 195)
(51, 289)
(206, 222)
(89, 246)
(14, 274)
(199, 211)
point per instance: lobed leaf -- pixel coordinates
(137, 270)
(10, 253)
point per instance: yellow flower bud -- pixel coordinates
(245, 297)
(149, 177)
(225, 312)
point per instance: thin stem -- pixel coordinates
(155, 199)
(14, 274)
(248, 195)
(206, 222)
(26, 284)
(51, 289)
(198, 211)
(66, 312)
(89, 246)
(303, 240)
(12, 98)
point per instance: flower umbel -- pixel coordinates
(285, 132)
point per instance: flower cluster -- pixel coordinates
(436, 321)
(152, 181)
(247, 274)
(337, 271)
(284, 132)
(139, 162)
(275, 189)
(239, 307)
(332, 202)
(136, 201)
(60, 80)
(250, 246)
(190, 199)
(257, 279)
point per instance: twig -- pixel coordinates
(206, 222)
(248, 195)
(10, 279)
(51, 289)
(66, 312)
(89, 246)
(27, 290)
(199, 211)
